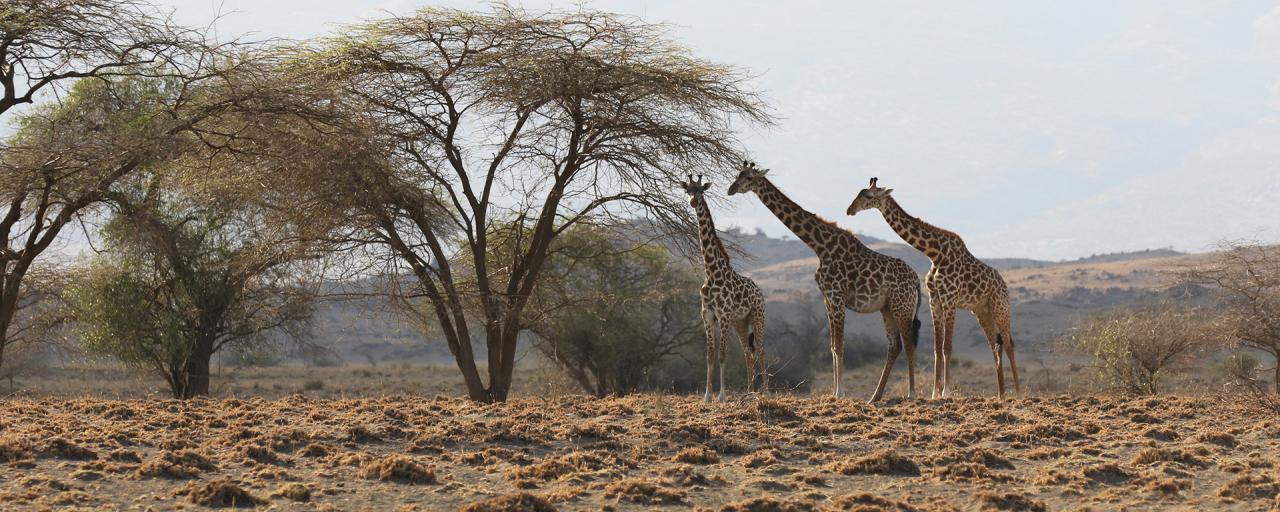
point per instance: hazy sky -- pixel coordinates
(1041, 129)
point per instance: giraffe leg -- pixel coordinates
(757, 330)
(835, 320)
(950, 329)
(724, 354)
(1006, 333)
(986, 320)
(939, 342)
(895, 347)
(910, 337)
(708, 325)
(743, 327)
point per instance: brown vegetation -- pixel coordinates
(530, 454)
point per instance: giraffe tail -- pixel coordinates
(915, 321)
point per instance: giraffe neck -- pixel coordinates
(811, 229)
(713, 252)
(933, 241)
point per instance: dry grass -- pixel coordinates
(782, 453)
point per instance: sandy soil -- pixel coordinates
(638, 453)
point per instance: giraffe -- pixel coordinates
(850, 276)
(728, 300)
(957, 280)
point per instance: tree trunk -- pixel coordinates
(198, 369)
(1274, 383)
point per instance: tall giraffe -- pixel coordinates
(728, 300)
(850, 275)
(957, 280)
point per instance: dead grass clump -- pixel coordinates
(1181, 456)
(1109, 474)
(396, 467)
(697, 455)
(761, 458)
(293, 491)
(260, 454)
(185, 464)
(969, 471)
(1222, 439)
(123, 455)
(223, 493)
(864, 502)
(1041, 432)
(763, 504)
(519, 502)
(1167, 486)
(1009, 501)
(317, 450)
(65, 449)
(493, 455)
(1160, 434)
(1250, 487)
(883, 462)
(553, 467)
(362, 434)
(643, 491)
(771, 410)
(14, 449)
(684, 475)
(985, 457)
(1048, 453)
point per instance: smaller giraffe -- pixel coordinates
(728, 300)
(957, 280)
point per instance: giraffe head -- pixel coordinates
(749, 177)
(695, 189)
(870, 197)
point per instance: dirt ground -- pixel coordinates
(638, 453)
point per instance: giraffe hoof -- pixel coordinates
(721, 398)
(706, 399)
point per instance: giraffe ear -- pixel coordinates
(888, 191)
(706, 186)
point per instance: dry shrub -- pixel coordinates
(65, 449)
(223, 493)
(864, 502)
(519, 502)
(883, 462)
(396, 467)
(1182, 456)
(293, 491)
(642, 491)
(763, 504)
(697, 455)
(1009, 501)
(1250, 487)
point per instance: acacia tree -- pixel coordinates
(183, 277)
(1246, 277)
(610, 310)
(538, 120)
(62, 162)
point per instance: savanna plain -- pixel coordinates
(311, 449)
